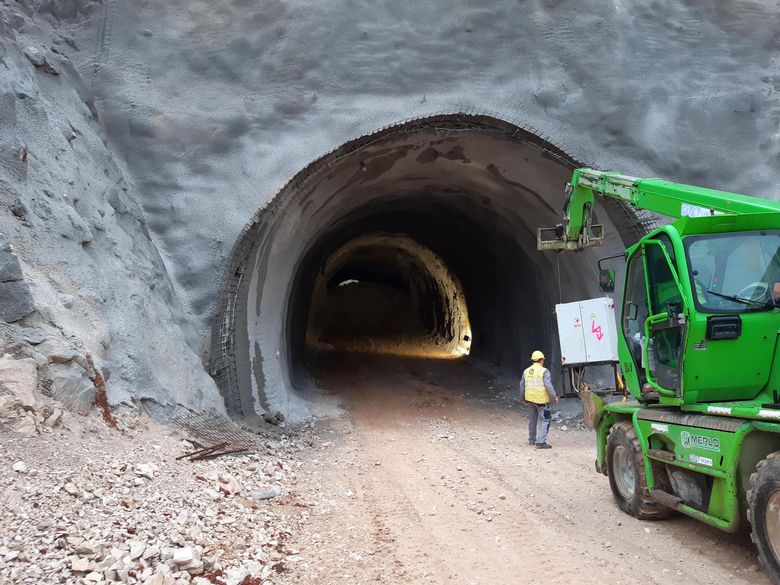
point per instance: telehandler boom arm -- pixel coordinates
(663, 197)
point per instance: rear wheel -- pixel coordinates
(627, 476)
(764, 514)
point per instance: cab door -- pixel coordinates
(634, 312)
(665, 325)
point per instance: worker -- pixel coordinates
(537, 391)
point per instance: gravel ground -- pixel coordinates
(426, 479)
(85, 503)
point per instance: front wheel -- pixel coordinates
(627, 477)
(764, 514)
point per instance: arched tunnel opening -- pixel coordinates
(387, 293)
(417, 240)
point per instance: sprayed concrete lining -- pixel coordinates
(470, 188)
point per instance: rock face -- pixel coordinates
(15, 299)
(138, 139)
(82, 252)
(20, 378)
(620, 88)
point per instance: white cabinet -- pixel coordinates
(587, 331)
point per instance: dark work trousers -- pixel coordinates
(538, 413)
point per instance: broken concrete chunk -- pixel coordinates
(87, 549)
(194, 567)
(81, 565)
(183, 556)
(19, 467)
(137, 548)
(228, 484)
(151, 552)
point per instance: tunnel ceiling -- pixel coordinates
(470, 190)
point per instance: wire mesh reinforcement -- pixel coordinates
(211, 429)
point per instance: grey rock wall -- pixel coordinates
(215, 105)
(15, 299)
(69, 207)
(154, 130)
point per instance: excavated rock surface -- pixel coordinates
(82, 256)
(137, 139)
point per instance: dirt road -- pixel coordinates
(428, 480)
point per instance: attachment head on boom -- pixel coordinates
(554, 238)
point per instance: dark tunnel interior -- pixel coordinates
(405, 305)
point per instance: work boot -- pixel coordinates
(543, 446)
(532, 441)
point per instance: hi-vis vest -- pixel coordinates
(534, 384)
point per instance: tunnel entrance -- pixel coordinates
(419, 238)
(386, 293)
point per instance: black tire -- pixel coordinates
(765, 487)
(623, 445)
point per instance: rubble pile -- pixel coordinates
(81, 502)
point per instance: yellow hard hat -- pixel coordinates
(536, 356)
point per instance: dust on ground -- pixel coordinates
(430, 480)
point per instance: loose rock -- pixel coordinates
(145, 470)
(264, 495)
(183, 556)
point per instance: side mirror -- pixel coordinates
(630, 311)
(606, 280)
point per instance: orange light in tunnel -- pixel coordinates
(464, 345)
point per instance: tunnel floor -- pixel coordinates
(377, 381)
(428, 479)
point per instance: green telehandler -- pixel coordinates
(698, 332)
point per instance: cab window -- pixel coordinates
(735, 272)
(635, 310)
(664, 291)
